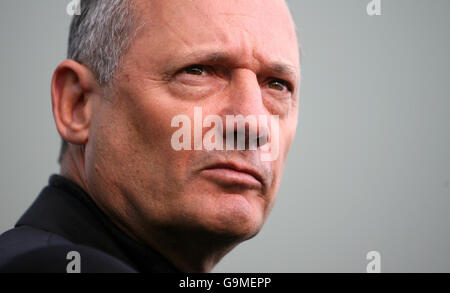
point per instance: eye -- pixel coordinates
(279, 85)
(194, 70)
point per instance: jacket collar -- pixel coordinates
(64, 208)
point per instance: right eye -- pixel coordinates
(196, 75)
(194, 70)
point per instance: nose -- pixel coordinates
(244, 113)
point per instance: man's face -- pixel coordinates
(227, 57)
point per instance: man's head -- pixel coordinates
(115, 106)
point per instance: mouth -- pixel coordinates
(234, 175)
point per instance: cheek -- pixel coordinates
(130, 143)
(147, 118)
(286, 136)
(145, 121)
(288, 129)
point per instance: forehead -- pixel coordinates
(250, 29)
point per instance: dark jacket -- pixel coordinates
(63, 219)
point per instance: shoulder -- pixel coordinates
(26, 249)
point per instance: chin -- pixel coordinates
(235, 217)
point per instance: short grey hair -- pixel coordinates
(99, 37)
(100, 34)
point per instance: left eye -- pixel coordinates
(278, 85)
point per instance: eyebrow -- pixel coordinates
(198, 57)
(206, 56)
(283, 69)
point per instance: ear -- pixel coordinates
(74, 87)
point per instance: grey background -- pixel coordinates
(370, 166)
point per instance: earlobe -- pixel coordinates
(73, 89)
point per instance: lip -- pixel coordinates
(233, 174)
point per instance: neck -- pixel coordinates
(72, 166)
(188, 250)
